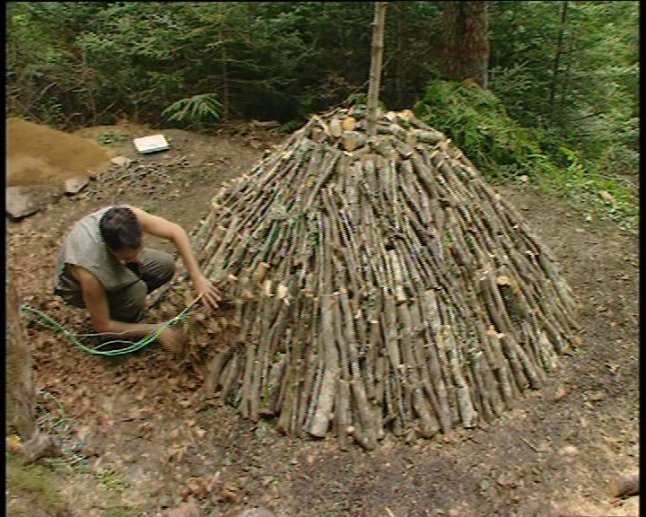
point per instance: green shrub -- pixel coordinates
(194, 110)
(477, 121)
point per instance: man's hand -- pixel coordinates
(209, 292)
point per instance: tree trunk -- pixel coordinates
(567, 74)
(20, 394)
(557, 57)
(375, 66)
(225, 71)
(465, 52)
(399, 57)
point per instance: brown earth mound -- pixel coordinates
(40, 155)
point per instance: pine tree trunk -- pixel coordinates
(557, 57)
(225, 71)
(375, 66)
(225, 87)
(399, 57)
(20, 394)
(465, 52)
(567, 72)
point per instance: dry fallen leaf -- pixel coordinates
(13, 444)
(576, 341)
(569, 450)
(196, 486)
(506, 480)
(597, 396)
(229, 493)
(562, 392)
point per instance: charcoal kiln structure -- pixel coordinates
(380, 286)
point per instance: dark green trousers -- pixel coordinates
(128, 303)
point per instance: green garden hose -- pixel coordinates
(132, 346)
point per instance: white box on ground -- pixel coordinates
(151, 144)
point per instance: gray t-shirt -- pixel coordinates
(84, 247)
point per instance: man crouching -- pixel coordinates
(104, 267)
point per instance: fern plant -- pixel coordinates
(204, 107)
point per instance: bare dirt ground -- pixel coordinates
(152, 442)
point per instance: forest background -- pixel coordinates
(561, 107)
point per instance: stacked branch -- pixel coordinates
(380, 285)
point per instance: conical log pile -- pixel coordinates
(379, 285)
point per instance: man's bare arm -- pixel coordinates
(97, 305)
(160, 227)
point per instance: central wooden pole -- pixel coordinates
(375, 66)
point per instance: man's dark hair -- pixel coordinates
(120, 229)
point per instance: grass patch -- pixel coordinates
(586, 187)
(31, 487)
(111, 480)
(121, 511)
(111, 138)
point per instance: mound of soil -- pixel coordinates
(40, 155)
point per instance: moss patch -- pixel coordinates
(31, 488)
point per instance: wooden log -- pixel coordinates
(468, 414)
(321, 419)
(286, 403)
(335, 128)
(327, 170)
(352, 140)
(490, 366)
(308, 394)
(429, 425)
(429, 136)
(342, 419)
(485, 391)
(260, 365)
(509, 389)
(229, 377)
(349, 124)
(430, 317)
(308, 373)
(215, 369)
(20, 395)
(271, 401)
(40, 445)
(397, 277)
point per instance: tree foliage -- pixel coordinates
(596, 100)
(478, 122)
(568, 70)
